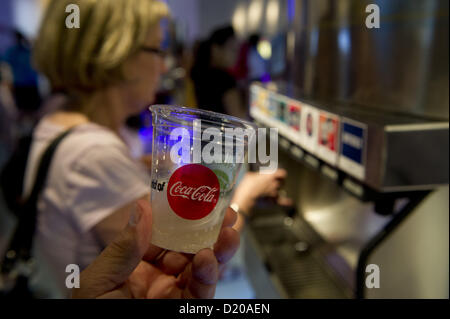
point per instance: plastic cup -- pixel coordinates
(195, 162)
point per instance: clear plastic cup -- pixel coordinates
(195, 162)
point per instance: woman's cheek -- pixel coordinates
(154, 84)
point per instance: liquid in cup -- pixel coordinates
(189, 199)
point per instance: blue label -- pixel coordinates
(352, 142)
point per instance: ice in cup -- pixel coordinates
(195, 163)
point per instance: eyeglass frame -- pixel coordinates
(158, 51)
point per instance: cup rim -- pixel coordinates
(220, 116)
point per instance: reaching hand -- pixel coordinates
(256, 185)
(131, 267)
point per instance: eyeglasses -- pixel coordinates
(157, 51)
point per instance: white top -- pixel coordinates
(91, 176)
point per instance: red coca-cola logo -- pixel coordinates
(193, 191)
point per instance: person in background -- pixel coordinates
(109, 70)
(215, 87)
(257, 66)
(240, 69)
(250, 65)
(25, 78)
(216, 90)
(8, 114)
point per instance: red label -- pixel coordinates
(193, 191)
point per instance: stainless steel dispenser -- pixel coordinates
(379, 196)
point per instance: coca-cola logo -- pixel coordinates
(193, 191)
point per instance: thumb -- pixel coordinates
(119, 259)
(280, 173)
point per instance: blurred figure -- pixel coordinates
(257, 67)
(109, 70)
(25, 78)
(215, 87)
(250, 65)
(240, 69)
(8, 114)
(216, 90)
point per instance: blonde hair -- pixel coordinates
(92, 57)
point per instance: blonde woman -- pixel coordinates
(109, 69)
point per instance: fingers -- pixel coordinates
(198, 279)
(276, 183)
(280, 173)
(162, 287)
(144, 228)
(228, 240)
(152, 253)
(273, 193)
(119, 259)
(203, 275)
(172, 263)
(285, 201)
(226, 245)
(273, 182)
(230, 218)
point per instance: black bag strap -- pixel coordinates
(12, 174)
(22, 240)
